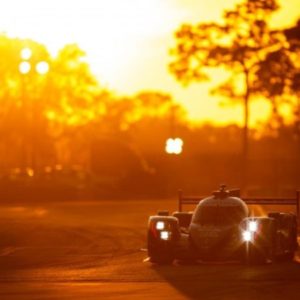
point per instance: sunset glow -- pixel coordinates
(149, 149)
(127, 42)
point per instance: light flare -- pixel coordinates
(174, 146)
(26, 53)
(24, 67)
(42, 67)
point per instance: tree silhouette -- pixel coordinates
(278, 76)
(293, 37)
(37, 112)
(239, 43)
(75, 102)
(123, 112)
(73, 88)
(21, 99)
(54, 118)
(273, 79)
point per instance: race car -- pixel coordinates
(222, 227)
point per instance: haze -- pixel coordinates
(127, 42)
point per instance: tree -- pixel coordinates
(38, 112)
(76, 102)
(293, 37)
(20, 100)
(273, 80)
(238, 44)
(72, 88)
(122, 112)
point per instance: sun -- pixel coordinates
(111, 32)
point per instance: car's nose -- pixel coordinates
(209, 238)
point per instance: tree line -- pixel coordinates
(261, 62)
(65, 117)
(53, 118)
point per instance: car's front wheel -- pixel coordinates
(254, 256)
(160, 258)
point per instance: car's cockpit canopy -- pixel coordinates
(220, 211)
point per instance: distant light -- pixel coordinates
(174, 146)
(50, 115)
(24, 67)
(48, 169)
(16, 170)
(160, 225)
(58, 167)
(30, 172)
(26, 53)
(42, 67)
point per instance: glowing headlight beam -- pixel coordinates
(160, 225)
(247, 236)
(252, 226)
(165, 235)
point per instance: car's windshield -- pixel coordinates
(219, 215)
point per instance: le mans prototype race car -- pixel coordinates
(222, 228)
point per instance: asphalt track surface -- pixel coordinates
(92, 250)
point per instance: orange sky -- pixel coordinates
(127, 42)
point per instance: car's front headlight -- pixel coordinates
(165, 235)
(160, 225)
(252, 226)
(247, 236)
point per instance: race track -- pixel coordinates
(92, 250)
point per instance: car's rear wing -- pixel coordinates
(190, 200)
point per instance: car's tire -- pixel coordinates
(289, 223)
(161, 258)
(293, 244)
(162, 251)
(294, 234)
(264, 250)
(159, 253)
(254, 256)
